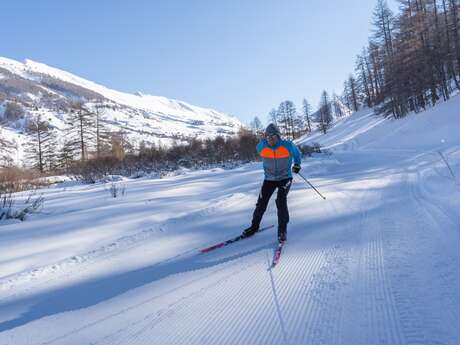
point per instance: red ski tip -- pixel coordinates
(205, 250)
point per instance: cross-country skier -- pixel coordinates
(277, 156)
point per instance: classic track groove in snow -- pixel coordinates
(377, 263)
(277, 303)
(376, 319)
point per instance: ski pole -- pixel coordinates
(448, 165)
(311, 186)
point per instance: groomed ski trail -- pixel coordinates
(316, 298)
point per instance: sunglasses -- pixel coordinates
(270, 136)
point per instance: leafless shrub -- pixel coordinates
(190, 153)
(13, 111)
(6, 204)
(113, 190)
(308, 150)
(116, 191)
(13, 179)
(10, 208)
(89, 171)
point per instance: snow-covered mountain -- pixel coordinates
(147, 118)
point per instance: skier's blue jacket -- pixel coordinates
(277, 160)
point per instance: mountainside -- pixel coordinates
(31, 88)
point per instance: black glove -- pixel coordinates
(296, 168)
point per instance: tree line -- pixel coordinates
(194, 153)
(91, 150)
(85, 136)
(412, 60)
(293, 123)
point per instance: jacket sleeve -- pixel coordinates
(260, 146)
(295, 153)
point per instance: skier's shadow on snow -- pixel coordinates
(89, 293)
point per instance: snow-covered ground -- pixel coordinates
(378, 262)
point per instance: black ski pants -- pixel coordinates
(267, 190)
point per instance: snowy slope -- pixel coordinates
(378, 262)
(431, 130)
(142, 117)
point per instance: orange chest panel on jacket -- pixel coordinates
(280, 152)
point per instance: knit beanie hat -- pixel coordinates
(272, 130)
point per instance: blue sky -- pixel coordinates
(240, 57)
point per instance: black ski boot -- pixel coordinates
(282, 236)
(250, 231)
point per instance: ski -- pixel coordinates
(277, 255)
(233, 240)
